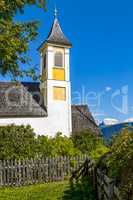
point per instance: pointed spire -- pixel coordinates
(56, 35)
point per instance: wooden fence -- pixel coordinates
(106, 188)
(17, 173)
(86, 169)
(103, 185)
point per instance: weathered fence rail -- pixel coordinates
(86, 169)
(24, 172)
(17, 173)
(104, 186)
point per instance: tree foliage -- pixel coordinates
(120, 163)
(15, 38)
(58, 146)
(89, 143)
(20, 142)
(17, 142)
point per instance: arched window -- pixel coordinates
(58, 59)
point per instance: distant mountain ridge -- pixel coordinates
(109, 130)
(110, 121)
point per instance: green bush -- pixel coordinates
(64, 146)
(57, 146)
(89, 143)
(120, 163)
(44, 146)
(17, 142)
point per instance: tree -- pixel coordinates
(15, 38)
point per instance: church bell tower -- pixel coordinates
(55, 73)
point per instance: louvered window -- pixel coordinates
(58, 59)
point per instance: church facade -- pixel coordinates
(46, 105)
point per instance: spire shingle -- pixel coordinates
(56, 36)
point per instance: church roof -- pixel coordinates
(25, 100)
(56, 35)
(82, 119)
(21, 100)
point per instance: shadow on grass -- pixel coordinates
(81, 190)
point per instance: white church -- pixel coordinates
(46, 105)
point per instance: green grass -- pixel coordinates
(51, 191)
(47, 191)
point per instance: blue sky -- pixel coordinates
(102, 55)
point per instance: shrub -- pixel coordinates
(120, 163)
(17, 142)
(89, 143)
(99, 151)
(44, 146)
(57, 146)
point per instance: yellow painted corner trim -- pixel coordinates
(44, 75)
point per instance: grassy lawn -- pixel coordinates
(51, 191)
(47, 191)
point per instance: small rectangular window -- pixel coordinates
(59, 93)
(58, 59)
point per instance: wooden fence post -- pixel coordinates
(46, 172)
(94, 177)
(111, 190)
(101, 188)
(1, 181)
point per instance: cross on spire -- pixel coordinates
(55, 12)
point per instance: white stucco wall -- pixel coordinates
(59, 112)
(42, 126)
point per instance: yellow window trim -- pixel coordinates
(59, 93)
(59, 74)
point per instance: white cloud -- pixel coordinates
(110, 121)
(129, 120)
(108, 88)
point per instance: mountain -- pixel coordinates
(109, 130)
(109, 121)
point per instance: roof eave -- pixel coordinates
(42, 45)
(54, 44)
(59, 44)
(23, 116)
